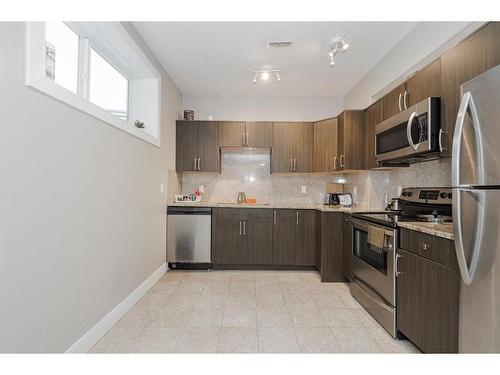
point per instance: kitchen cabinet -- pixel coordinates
(373, 116)
(332, 246)
(393, 102)
(196, 146)
(424, 83)
(351, 137)
(427, 295)
(294, 237)
(325, 145)
(245, 134)
(473, 56)
(292, 147)
(241, 236)
(347, 245)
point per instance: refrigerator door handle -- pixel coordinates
(466, 272)
(467, 102)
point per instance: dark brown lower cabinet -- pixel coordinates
(332, 246)
(347, 245)
(242, 236)
(427, 303)
(294, 237)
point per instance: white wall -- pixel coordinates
(262, 108)
(423, 44)
(82, 220)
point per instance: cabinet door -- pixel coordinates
(373, 116)
(186, 135)
(284, 237)
(475, 55)
(352, 156)
(227, 243)
(340, 141)
(259, 134)
(305, 238)
(347, 245)
(208, 151)
(427, 303)
(302, 149)
(257, 237)
(231, 134)
(424, 83)
(392, 103)
(282, 147)
(325, 145)
(332, 247)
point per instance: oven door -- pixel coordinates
(374, 268)
(411, 132)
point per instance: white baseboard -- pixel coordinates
(87, 341)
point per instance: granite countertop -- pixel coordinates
(284, 205)
(444, 230)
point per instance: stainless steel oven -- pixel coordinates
(374, 281)
(411, 135)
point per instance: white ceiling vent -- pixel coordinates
(280, 44)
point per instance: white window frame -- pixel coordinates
(116, 46)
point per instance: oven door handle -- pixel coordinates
(364, 226)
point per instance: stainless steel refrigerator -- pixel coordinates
(476, 212)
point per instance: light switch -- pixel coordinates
(303, 189)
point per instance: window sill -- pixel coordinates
(65, 96)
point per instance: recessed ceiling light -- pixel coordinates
(266, 74)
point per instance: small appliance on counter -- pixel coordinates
(335, 195)
(188, 115)
(187, 198)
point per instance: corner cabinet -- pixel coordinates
(292, 147)
(196, 146)
(428, 285)
(351, 137)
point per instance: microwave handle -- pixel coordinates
(408, 130)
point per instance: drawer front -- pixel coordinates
(440, 250)
(256, 213)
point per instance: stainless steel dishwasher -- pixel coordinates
(189, 237)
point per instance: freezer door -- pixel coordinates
(477, 244)
(476, 141)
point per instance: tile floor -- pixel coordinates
(248, 312)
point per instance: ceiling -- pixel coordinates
(218, 58)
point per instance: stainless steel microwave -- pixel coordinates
(411, 135)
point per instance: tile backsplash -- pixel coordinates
(250, 172)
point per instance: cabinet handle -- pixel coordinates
(297, 217)
(291, 165)
(243, 139)
(240, 227)
(295, 165)
(426, 247)
(399, 102)
(246, 139)
(397, 273)
(342, 161)
(405, 96)
(335, 163)
(244, 228)
(199, 164)
(274, 218)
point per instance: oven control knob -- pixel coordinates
(450, 195)
(404, 194)
(410, 193)
(443, 195)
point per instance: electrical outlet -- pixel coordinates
(303, 189)
(162, 188)
(355, 191)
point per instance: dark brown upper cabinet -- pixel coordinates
(424, 83)
(373, 116)
(351, 138)
(393, 102)
(292, 147)
(473, 56)
(196, 146)
(325, 145)
(245, 134)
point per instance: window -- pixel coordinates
(61, 54)
(97, 68)
(108, 87)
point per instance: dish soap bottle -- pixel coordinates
(241, 197)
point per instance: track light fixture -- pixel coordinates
(338, 45)
(266, 74)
